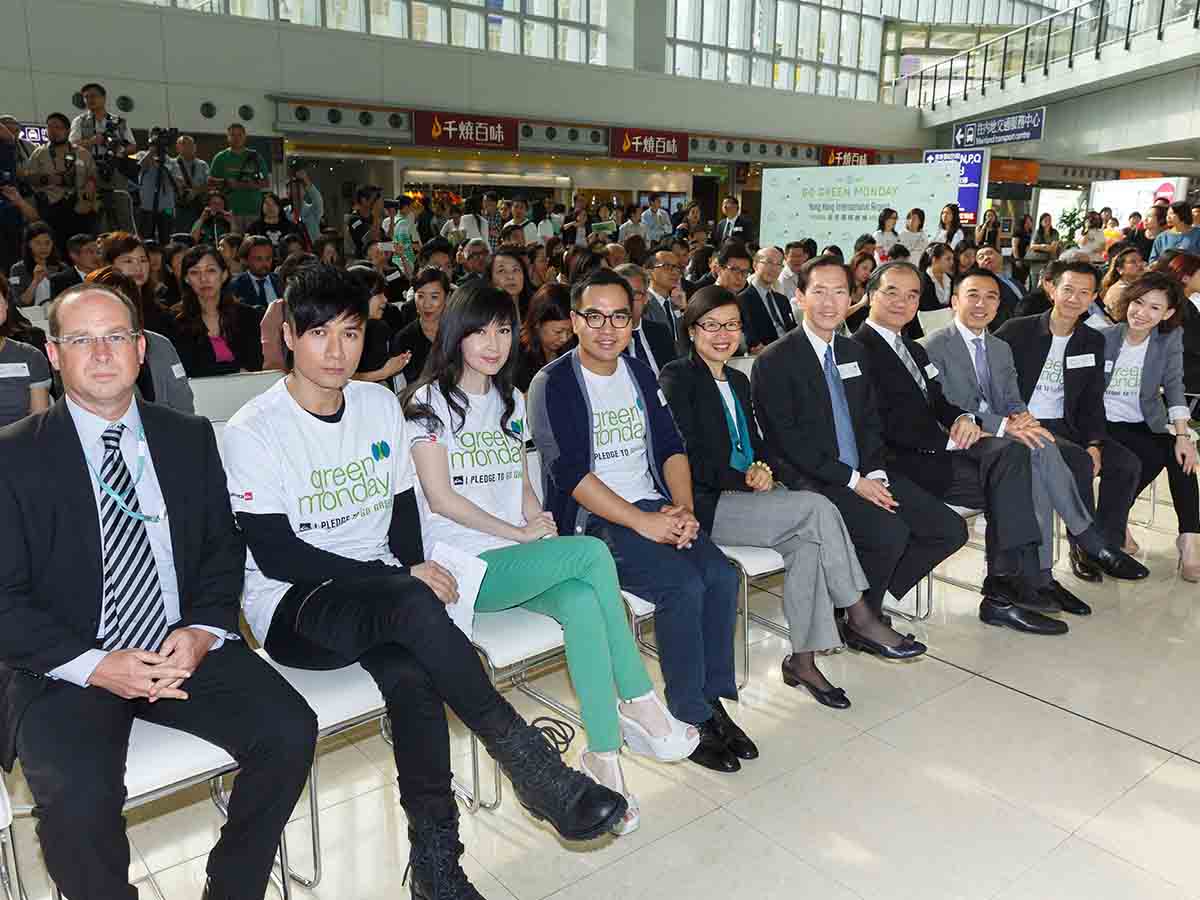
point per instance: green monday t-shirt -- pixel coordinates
(333, 480)
(247, 165)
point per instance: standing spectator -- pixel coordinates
(215, 333)
(987, 232)
(1021, 240)
(474, 259)
(734, 227)
(158, 191)
(30, 278)
(690, 220)
(451, 229)
(520, 209)
(193, 183)
(64, 181)
(886, 237)
(795, 255)
(242, 173)
(550, 226)
(1181, 236)
(396, 281)
(401, 229)
(575, 233)
(15, 210)
(215, 221)
(305, 206)
(25, 385)
(23, 148)
(257, 285)
(82, 258)
(656, 223)
(1091, 238)
(632, 224)
(110, 141)
(1043, 246)
(272, 224)
(913, 236)
(366, 222)
(950, 230)
(484, 222)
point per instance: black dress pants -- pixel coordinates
(73, 743)
(1120, 474)
(1156, 451)
(898, 549)
(396, 627)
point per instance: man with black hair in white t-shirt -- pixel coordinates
(321, 483)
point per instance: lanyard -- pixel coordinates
(117, 498)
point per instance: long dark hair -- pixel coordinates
(262, 212)
(15, 325)
(1158, 281)
(700, 304)
(551, 303)
(34, 230)
(189, 318)
(955, 222)
(471, 308)
(116, 245)
(1044, 233)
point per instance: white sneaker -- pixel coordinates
(674, 746)
(633, 815)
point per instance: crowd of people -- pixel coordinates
(420, 375)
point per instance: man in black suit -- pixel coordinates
(1011, 293)
(84, 256)
(1060, 368)
(768, 313)
(651, 342)
(733, 227)
(816, 405)
(942, 448)
(119, 600)
(257, 285)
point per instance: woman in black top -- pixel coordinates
(546, 332)
(126, 253)
(507, 271)
(987, 232)
(1020, 248)
(214, 332)
(376, 363)
(431, 287)
(272, 224)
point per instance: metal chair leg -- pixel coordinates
(473, 796)
(10, 880)
(744, 612)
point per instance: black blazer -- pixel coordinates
(1191, 348)
(792, 405)
(196, 352)
(1009, 301)
(741, 229)
(1083, 386)
(661, 341)
(929, 297)
(757, 323)
(244, 289)
(699, 411)
(51, 572)
(1034, 303)
(68, 277)
(914, 429)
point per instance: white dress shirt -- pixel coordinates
(91, 428)
(657, 224)
(267, 286)
(640, 336)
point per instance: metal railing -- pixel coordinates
(1066, 35)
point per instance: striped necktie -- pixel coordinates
(911, 365)
(134, 616)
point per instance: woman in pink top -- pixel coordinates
(215, 333)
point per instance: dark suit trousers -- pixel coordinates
(1120, 475)
(995, 475)
(236, 701)
(897, 550)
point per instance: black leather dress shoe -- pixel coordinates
(735, 739)
(1065, 599)
(1082, 566)
(835, 697)
(712, 752)
(908, 648)
(1008, 615)
(1119, 564)
(1019, 592)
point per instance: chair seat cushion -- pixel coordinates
(639, 606)
(160, 757)
(513, 635)
(337, 696)
(756, 561)
(965, 511)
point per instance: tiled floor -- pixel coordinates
(999, 766)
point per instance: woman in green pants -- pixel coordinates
(466, 426)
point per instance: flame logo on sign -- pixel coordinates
(436, 131)
(626, 145)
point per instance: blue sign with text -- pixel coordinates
(972, 179)
(1013, 128)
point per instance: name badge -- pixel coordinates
(178, 371)
(1082, 361)
(393, 276)
(849, 370)
(1108, 365)
(662, 398)
(931, 371)
(14, 280)
(14, 370)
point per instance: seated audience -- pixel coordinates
(583, 261)
(614, 255)
(1125, 266)
(614, 467)
(539, 265)
(651, 342)
(937, 276)
(545, 334)
(964, 257)
(376, 364)
(271, 327)
(322, 598)
(885, 237)
(989, 259)
(1038, 300)
(31, 278)
(636, 249)
(862, 264)
(1180, 233)
(416, 338)
(257, 286)
(506, 271)
(24, 371)
(122, 604)
(1143, 367)
(168, 290)
(214, 332)
(816, 404)
(739, 502)
(768, 313)
(1185, 268)
(82, 257)
(230, 247)
(215, 221)
(913, 237)
(127, 254)
(273, 224)
(1060, 369)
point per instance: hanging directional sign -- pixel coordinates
(1013, 128)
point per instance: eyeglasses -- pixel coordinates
(671, 266)
(713, 327)
(80, 341)
(737, 271)
(618, 319)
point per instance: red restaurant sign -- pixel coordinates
(451, 129)
(848, 156)
(644, 143)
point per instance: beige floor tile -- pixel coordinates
(1077, 870)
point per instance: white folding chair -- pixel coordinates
(36, 314)
(932, 320)
(7, 883)
(219, 397)
(743, 364)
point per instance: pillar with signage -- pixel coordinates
(973, 166)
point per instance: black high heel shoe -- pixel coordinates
(908, 648)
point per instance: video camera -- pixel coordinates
(163, 140)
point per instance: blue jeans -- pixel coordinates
(694, 593)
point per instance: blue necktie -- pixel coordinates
(847, 447)
(983, 371)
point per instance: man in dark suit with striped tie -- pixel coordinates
(119, 599)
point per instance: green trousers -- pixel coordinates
(574, 580)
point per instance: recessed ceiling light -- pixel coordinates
(1171, 158)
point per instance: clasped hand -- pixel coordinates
(670, 525)
(143, 675)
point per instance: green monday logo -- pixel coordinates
(620, 425)
(482, 449)
(352, 484)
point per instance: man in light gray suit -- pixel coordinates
(977, 373)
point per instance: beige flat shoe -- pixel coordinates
(1189, 557)
(1131, 546)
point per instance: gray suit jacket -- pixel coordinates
(171, 386)
(1163, 369)
(956, 371)
(654, 311)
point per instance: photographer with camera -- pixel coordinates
(64, 182)
(110, 141)
(305, 206)
(366, 222)
(193, 184)
(241, 172)
(15, 210)
(215, 221)
(159, 186)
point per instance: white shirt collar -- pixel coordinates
(91, 427)
(819, 344)
(887, 334)
(968, 335)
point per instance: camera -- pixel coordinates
(162, 140)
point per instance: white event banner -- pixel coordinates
(838, 204)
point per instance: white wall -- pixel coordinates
(170, 61)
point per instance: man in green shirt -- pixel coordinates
(241, 172)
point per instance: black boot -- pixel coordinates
(434, 850)
(577, 807)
